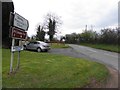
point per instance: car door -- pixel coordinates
(30, 45)
(35, 45)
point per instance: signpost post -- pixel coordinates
(12, 56)
(18, 27)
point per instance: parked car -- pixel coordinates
(38, 46)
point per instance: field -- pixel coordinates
(45, 70)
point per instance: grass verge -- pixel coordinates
(113, 48)
(0, 68)
(59, 45)
(45, 70)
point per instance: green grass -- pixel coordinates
(113, 48)
(45, 70)
(0, 68)
(59, 45)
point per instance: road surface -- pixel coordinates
(102, 56)
(110, 59)
(105, 57)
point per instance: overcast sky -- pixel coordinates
(75, 14)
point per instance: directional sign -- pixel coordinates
(18, 27)
(20, 22)
(16, 48)
(18, 33)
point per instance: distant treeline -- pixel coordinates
(106, 36)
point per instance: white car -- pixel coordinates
(38, 46)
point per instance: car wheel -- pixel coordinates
(39, 50)
(24, 47)
(46, 50)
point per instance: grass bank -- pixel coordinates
(59, 45)
(45, 70)
(113, 48)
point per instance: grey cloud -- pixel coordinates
(109, 19)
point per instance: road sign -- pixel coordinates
(20, 22)
(18, 27)
(16, 48)
(18, 33)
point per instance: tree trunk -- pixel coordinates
(51, 37)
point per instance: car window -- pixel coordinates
(30, 43)
(36, 42)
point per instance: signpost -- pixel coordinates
(18, 34)
(20, 22)
(16, 48)
(18, 28)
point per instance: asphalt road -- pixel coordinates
(102, 56)
(105, 57)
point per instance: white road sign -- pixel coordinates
(16, 48)
(20, 22)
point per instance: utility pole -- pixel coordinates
(85, 27)
(92, 27)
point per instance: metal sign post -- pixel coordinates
(18, 27)
(18, 62)
(12, 56)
